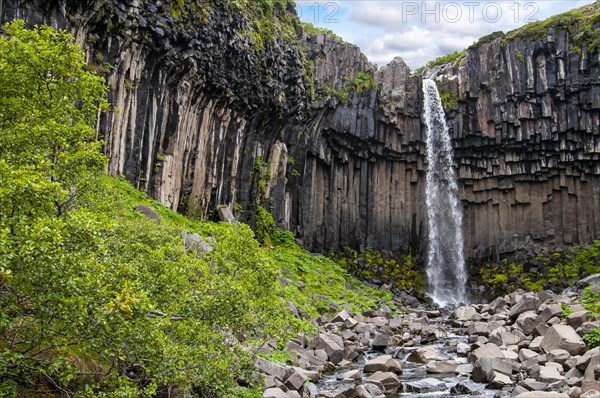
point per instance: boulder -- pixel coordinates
(562, 337)
(296, 380)
(542, 394)
(502, 336)
(549, 312)
(383, 363)
(550, 374)
(331, 345)
(529, 302)
(195, 242)
(270, 368)
(437, 367)
(487, 350)
(500, 380)
(576, 319)
(465, 387)
(478, 329)
(424, 386)
(590, 394)
(463, 313)
(389, 381)
(381, 342)
(226, 215)
(526, 354)
(427, 354)
(484, 369)
(558, 356)
(275, 393)
(148, 212)
(527, 322)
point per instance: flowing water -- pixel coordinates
(446, 271)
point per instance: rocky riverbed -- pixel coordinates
(519, 345)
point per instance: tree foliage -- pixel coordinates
(96, 299)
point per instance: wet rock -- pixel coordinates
(426, 385)
(437, 367)
(381, 342)
(427, 354)
(383, 363)
(389, 381)
(542, 394)
(464, 387)
(562, 337)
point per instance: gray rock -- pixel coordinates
(500, 380)
(549, 312)
(270, 368)
(542, 394)
(588, 280)
(438, 367)
(295, 381)
(380, 342)
(275, 393)
(197, 243)
(226, 215)
(550, 375)
(383, 363)
(562, 337)
(148, 212)
(590, 394)
(559, 356)
(427, 354)
(529, 302)
(534, 385)
(464, 387)
(388, 380)
(485, 369)
(426, 385)
(486, 351)
(503, 337)
(576, 319)
(330, 343)
(463, 313)
(527, 354)
(527, 322)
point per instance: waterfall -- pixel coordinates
(446, 271)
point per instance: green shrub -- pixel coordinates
(592, 339)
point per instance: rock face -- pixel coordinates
(210, 114)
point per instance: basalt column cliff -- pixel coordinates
(217, 104)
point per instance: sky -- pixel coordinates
(420, 31)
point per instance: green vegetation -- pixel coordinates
(579, 22)
(520, 56)
(454, 58)
(363, 81)
(398, 271)
(313, 30)
(449, 99)
(556, 271)
(98, 300)
(591, 301)
(268, 20)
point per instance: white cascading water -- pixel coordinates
(446, 272)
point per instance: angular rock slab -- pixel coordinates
(383, 363)
(562, 337)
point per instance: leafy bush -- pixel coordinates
(592, 339)
(97, 299)
(399, 271)
(591, 299)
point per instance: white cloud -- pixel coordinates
(420, 31)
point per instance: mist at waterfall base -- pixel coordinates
(446, 271)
